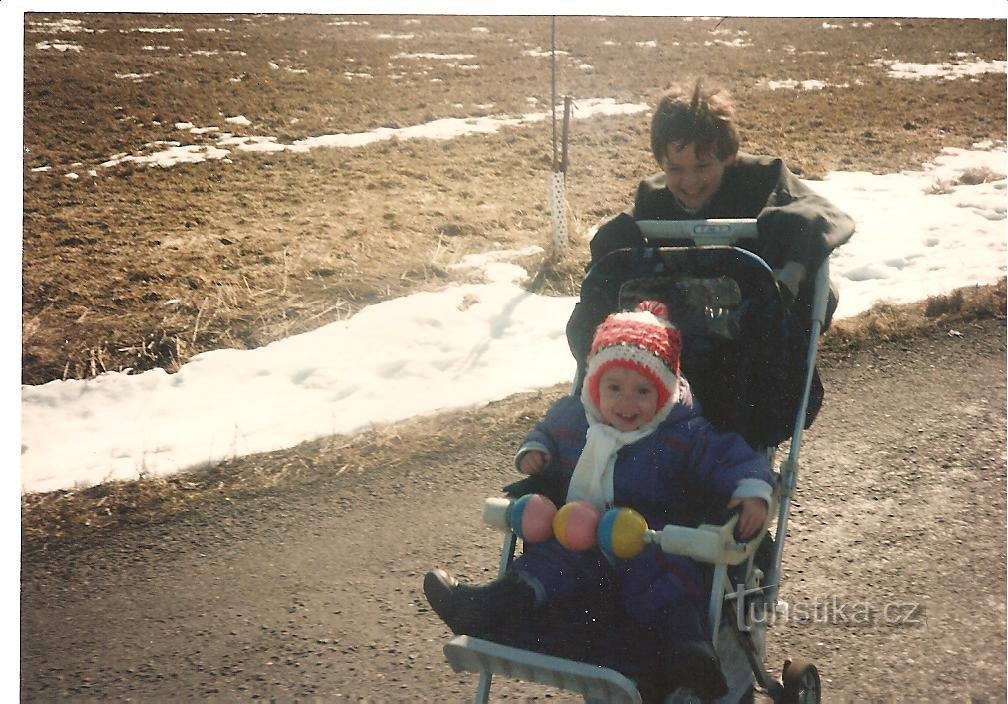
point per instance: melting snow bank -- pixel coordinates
(465, 346)
(920, 233)
(444, 128)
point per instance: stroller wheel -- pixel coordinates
(801, 682)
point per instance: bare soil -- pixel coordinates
(295, 576)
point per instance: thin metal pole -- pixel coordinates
(553, 85)
(566, 128)
(507, 552)
(789, 467)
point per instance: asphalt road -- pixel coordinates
(314, 593)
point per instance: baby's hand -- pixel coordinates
(752, 518)
(532, 462)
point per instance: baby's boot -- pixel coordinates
(477, 610)
(690, 659)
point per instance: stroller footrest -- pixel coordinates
(595, 683)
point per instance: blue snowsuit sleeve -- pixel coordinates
(560, 433)
(725, 466)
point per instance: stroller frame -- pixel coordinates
(711, 544)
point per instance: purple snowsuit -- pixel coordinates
(683, 473)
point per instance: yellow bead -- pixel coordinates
(628, 533)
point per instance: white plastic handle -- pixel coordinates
(495, 512)
(714, 544)
(722, 231)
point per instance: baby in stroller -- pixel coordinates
(634, 437)
(748, 316)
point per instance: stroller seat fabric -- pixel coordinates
(743, 351)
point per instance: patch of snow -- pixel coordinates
(734, 43)
(61, 25)
(135, 77)
(445, 57)
(58, 46)
(441, 129)
(539, 52)
(948, 70)
(175, 154)
(791, 83)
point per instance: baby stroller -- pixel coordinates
(752, 367)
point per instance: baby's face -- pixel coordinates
(627, 399)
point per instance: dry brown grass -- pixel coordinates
(558, 273)
(145, 267)
(937, 314)
(142, 267)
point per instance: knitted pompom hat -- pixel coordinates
(642, 340)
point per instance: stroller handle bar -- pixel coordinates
(723, 231)
(715, 544)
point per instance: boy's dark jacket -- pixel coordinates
(795, 224)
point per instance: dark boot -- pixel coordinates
(480, 610)
(689, 656)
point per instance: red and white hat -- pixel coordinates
(642, 340)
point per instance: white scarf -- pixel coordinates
(592, 480)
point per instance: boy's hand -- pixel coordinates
(752, 518)
(532, 462)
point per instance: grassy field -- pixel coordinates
(137, 266)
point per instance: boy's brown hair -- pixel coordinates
(705, 119)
